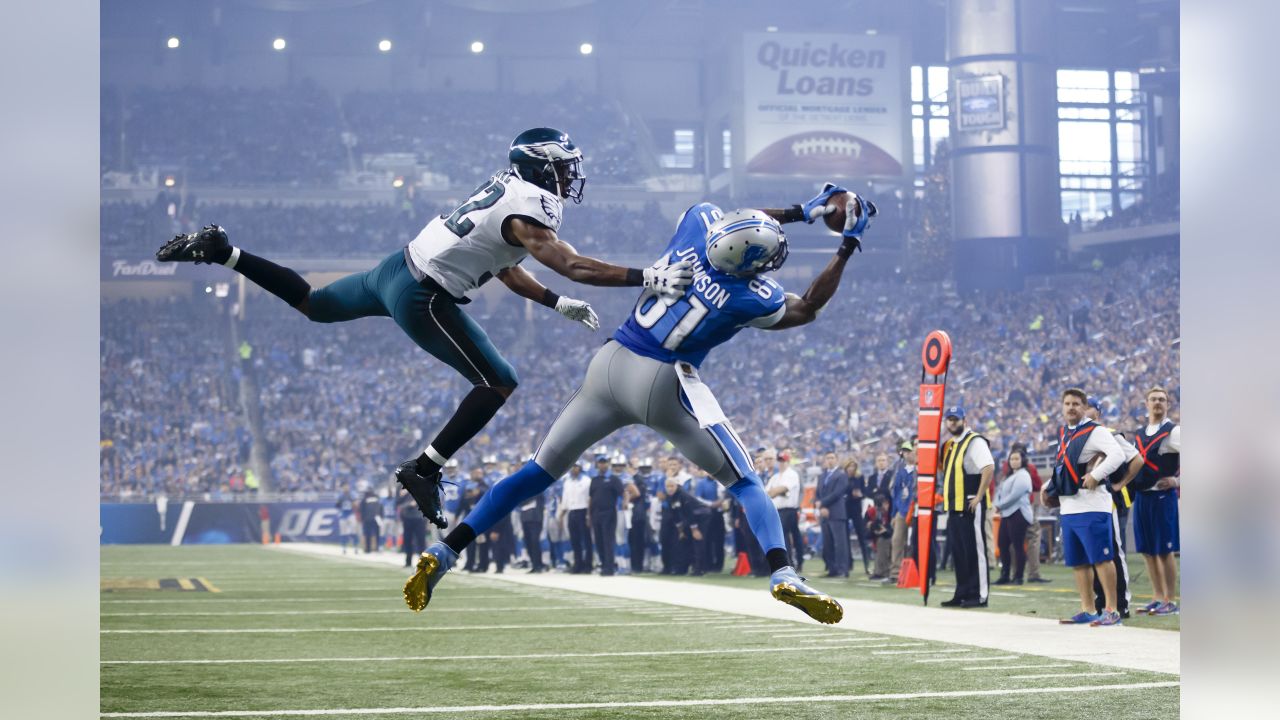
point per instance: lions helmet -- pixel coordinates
(547, 158)
(746, 243)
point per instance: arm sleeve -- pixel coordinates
(1173, 443)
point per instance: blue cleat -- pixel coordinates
(1164, 609)
(1149, 607)
(432, 565)
(1080, 618)
(791, 589)
(1107, 619)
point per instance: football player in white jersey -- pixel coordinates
(513, 214)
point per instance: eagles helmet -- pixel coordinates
(746, 243)
(547, 158)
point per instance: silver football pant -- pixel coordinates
(622, 388)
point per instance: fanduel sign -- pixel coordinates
(830, 106)
(145, 268)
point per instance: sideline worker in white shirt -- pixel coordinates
(1085, 499)
(783, 487)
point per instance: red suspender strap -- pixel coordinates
(1144, 450)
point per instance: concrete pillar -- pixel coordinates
(1006, 217)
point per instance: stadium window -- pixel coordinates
(939, 130)
(929, 112)
(1084, 148)
(1102, 149)
(939, 77)
(917, 143)
(1126, 87)
(684, 145)
(1084, 86)
(726, 149)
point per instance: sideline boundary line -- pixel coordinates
(875, 697)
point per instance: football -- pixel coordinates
(835, 217)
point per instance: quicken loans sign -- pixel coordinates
(824, 105)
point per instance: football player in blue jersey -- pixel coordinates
(422, 286)
(647, 374)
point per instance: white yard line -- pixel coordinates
(1122, 647)
(935, 651)
(436, 658)
(399, 628)
(398, 611)
(873, 697)
(1055, 675)
(1017, 667)
(980, 658)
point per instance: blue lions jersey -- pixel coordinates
(714, 307)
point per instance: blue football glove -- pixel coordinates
(817, 207)
(855, 224)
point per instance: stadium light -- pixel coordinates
(384, 45)
(397, 183)
(585, 48)
(771, 28)
(278, 44)
(169, 181)
(173, 43)
(477, 47)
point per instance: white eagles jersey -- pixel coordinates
(462, 250)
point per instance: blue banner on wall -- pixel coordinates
(196, 523)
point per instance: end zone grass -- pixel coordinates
(297, 636)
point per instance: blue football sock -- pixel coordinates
(762, 516)
(512, 490)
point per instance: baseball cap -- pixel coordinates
(601, 457)
(906, 445)
(1094, 403)
(955, 411)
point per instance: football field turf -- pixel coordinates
(263, 633)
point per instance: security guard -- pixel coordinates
(967, 467)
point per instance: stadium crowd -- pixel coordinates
(301, 135)
(347, 401)
(339, 230)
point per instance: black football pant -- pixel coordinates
(792, 536)
(604, 528)
(967, 531)
(580, 539)
(415, 539)
(638, 541)
(713, 536)
(533, 542)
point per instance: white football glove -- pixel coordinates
(578, 311)
(666, 279)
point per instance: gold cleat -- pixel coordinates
(417, 589)
(819, 606)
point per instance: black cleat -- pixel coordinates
(425, 490)
(210, 245)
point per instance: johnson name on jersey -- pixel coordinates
(713, 308)
(464, 249)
